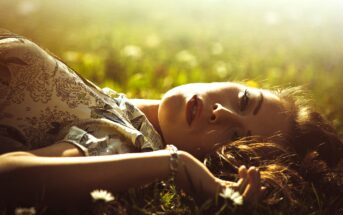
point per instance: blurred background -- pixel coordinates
(145, 47)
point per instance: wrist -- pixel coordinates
(173, 160)
(194, 177)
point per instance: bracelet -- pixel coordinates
(174, 157)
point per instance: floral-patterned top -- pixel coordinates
(43, 101)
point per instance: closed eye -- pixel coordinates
(244, 101)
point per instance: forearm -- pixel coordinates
(57, 180)
(69, 180)
(61, 149)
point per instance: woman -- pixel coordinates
(48, 111)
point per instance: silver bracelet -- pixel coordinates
(174, 160)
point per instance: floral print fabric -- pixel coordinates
(43, 101)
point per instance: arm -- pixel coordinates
(61, 149)
(26, 177)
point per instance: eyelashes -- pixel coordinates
(244, 101)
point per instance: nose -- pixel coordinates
(221, 114)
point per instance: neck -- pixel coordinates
(150, 109)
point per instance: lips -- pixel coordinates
(193, 109)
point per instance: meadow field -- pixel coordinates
(143, 48)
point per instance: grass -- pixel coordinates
(146, 48)
(162, 197)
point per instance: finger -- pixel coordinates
(242, 172)
(242, 185)
(230, 184)
(243, 179)
(253, 189)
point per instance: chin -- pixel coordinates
(170, 116)
(172, 106)
(165, 117)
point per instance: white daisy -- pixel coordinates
(132, 51)
(102, 195)
(229, 193)
(185, 56)
(25, 211)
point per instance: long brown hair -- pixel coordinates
(312, 154)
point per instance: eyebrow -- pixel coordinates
(259, 104)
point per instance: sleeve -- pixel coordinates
(12, 140)
(10, 145)
(91, 145)
(7, 45)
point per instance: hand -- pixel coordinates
(248, 185)
(193, 176)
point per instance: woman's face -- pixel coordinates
(196, 117)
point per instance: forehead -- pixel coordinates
(270, 95)
(232, 87)
(274, 116)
